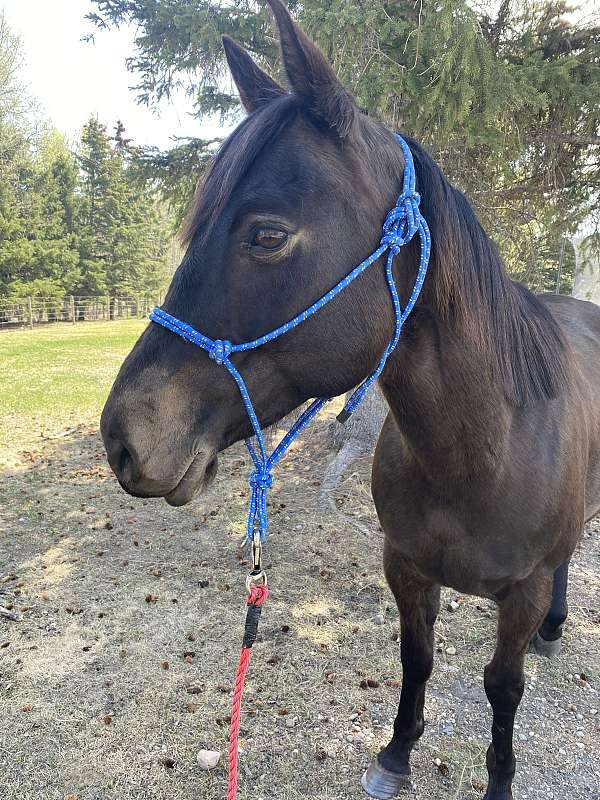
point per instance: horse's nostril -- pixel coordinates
(124, 462)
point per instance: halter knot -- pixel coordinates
(220, 350)
(260, 479)
(402, 222)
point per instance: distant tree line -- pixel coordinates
(505, 94)
(73, 220)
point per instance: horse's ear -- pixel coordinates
(255, 87)
(311, 76)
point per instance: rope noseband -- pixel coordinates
(401, 224)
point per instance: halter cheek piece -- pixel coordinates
(401, 224)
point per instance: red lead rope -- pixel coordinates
(255, 599)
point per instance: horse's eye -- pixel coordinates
(269, 238)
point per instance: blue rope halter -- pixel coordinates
(401, 224)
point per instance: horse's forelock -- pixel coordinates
(233, 160)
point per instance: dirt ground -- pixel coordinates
(119, 666)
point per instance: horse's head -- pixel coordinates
(295, 198)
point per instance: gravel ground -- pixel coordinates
(119, 666)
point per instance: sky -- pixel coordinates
(72, 80)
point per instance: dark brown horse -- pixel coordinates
(488, 464)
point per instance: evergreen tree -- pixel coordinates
(53, 266)
(96, 209)
(509, 103)
(14, 156)
(72, 225)
(140, 241)
(38, 253)
(37, 179)
(124, 238)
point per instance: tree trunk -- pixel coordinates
(586, 284)
(356, 437)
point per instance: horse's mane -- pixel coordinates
(519, 336)
(516, 333)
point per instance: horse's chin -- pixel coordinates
(198, 477)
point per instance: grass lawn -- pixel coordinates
(54, 375)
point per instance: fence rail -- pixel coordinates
(32, 311)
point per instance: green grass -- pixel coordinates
(56, 372)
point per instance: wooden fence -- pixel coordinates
(32, 311)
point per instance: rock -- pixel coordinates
(379, 619)
(451, 651)
(453, 606)
(208, 759)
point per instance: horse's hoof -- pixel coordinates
(545, 647)
(383, 784)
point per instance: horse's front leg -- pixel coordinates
(418, 603)
(519, 616)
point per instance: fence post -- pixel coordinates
(72, 308)
(30, 313)
(108, 307)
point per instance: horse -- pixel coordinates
(488, 463)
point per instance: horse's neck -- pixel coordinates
(448, 406)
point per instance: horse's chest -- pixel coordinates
(476, 548)
(494, 526)
(447, 551)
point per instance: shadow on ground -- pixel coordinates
(118, 669)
